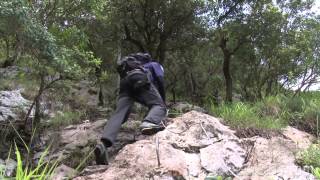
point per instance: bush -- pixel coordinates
(310, 156)
(316, 172)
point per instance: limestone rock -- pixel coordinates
(8, 166)
(191, 147)
(185, 146)
(184, 107)
(11, 103)
(63, 172)
(302, 139)
(273, 159)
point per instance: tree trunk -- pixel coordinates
(227, 76)
(226, 68)
(269, 87)
(161, 51)
(37, 113)
(98, 74)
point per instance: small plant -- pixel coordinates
(310, 156)
(2, 171)
(316, 172)
(42, 171)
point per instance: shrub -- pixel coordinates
(310, 156)
(316, 172)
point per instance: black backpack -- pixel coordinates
(132, 62)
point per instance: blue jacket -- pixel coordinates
(157, 73)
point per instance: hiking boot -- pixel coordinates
(101, 154)
(148, 128)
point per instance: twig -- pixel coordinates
(172, 131)
(204, 130)
(157, 150)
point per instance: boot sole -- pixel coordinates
(151, 131)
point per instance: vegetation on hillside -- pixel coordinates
(249, 62)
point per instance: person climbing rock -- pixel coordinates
(141, 80)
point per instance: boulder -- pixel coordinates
(183, 107)
(8, 166)
(192, 146)
(273, 159)
(12, 103)
(75, 142)
(63, 172)
(187, 150)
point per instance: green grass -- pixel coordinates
(274, 112)
(25, 170)
(42, 171)
(241, 115)
(65, 118)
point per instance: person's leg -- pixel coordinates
(112, 128)
(114, 123)
(157, 110)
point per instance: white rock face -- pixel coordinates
(11, 103)
(273, 159)
(9, 166)
(191, 147)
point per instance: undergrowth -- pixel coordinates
(65, 118)
(274, 112)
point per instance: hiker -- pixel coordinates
(141, 80)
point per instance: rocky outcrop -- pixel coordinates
(195, 145)
(273, 159)
(8, 167)
(11, 104)
(183, 107)
(9, 72)
(191, 147)
(74, 143)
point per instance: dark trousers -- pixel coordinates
(147, 95)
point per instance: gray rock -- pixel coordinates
(223, 158)
(190, 147)
(273, 159)
(63, 172)
(180, 148)
(8, 166)
(9, 72)
(11, 103)
(184, 107)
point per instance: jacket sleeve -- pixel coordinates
(160, 82)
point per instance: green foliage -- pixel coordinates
(2, 171)
(246, 115)
(274, 112)
(316, 172)
(310, 156)
(42, 171)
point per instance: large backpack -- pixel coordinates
(140, 61)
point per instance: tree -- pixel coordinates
(45, 53)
